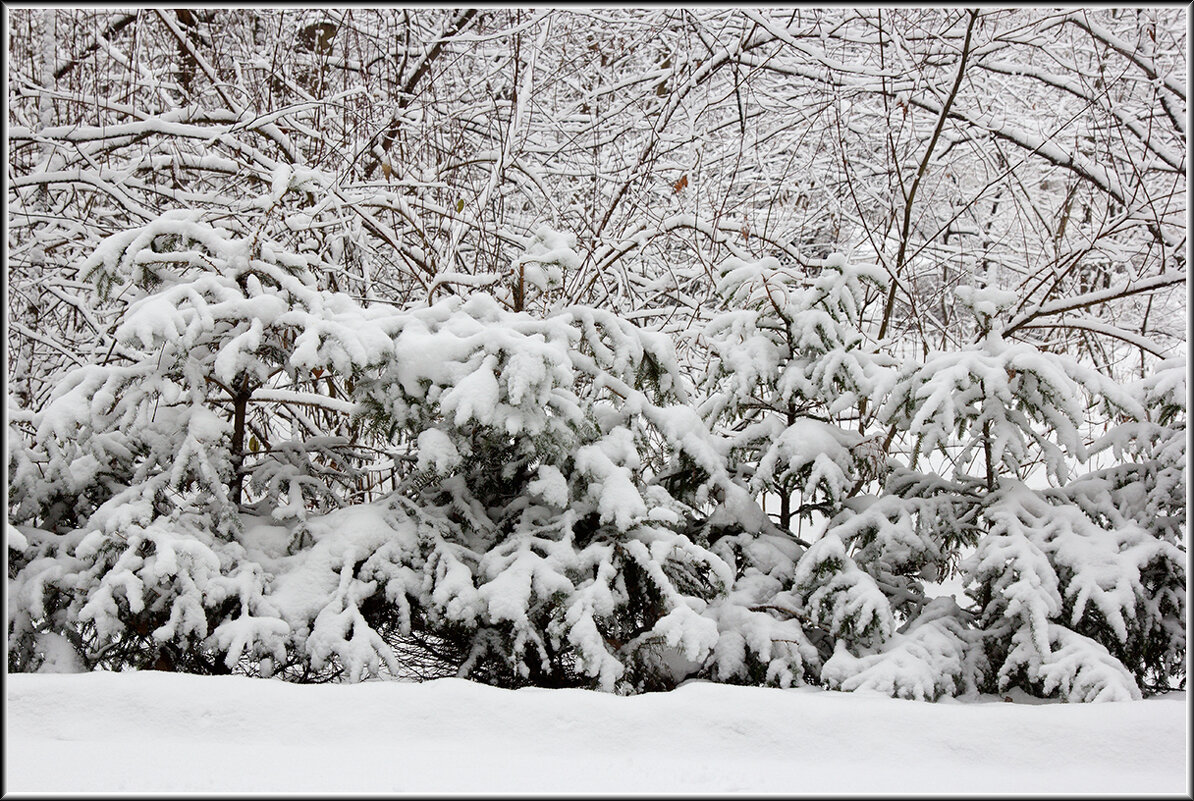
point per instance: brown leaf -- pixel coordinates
(678, 186)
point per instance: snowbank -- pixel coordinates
(161, 732)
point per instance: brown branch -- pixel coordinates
(113, 28)
(407, 92)
(1096, 298)
(906, 226)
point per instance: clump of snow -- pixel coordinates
(550, 486)
(436, 452)
(59, 656)
(16, 540)
(934, 656)
(547, 256)
(986, 302)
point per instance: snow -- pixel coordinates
(436, 452)
(164, 732)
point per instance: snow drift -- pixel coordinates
(161, 732)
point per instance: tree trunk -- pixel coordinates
(240, 406)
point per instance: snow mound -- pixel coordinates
(162, 732)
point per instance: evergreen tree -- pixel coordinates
(524, 538)
(270, 476)
(1071, 593)
(544, 551)
(132, 488)
(791, 363)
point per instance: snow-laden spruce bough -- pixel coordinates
(270, 477)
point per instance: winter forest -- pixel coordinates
(601, 348)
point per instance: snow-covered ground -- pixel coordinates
(159, 732)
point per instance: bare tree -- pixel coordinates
(1042, 151)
